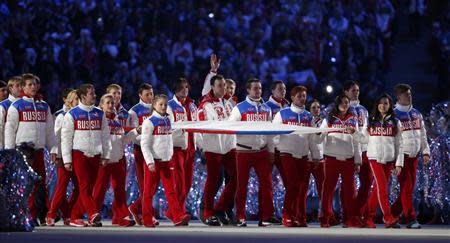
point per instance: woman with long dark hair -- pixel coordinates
(385, 152)
(342, 157)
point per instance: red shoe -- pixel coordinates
(95, 218)
(353, 223)
(135, 215)
(66, 221)
(126, 222)
(333, 221)
(78, 223)
(288, 222)
(370, 224)
(325, 223)
(392, 223)
(149, 225)
(184, 221)
(50, 221)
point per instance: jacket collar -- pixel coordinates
(296, 109)
(404, 108)
(155, 113)
(280, 102)
(354, 103)
(12, 98)
(110, 115)
(84, 107)
(253, 102)
(145, 104)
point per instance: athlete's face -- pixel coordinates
(107, 105)
(184, 90)
(353, 92)
(15, 89)
(383, 106)
(299, 99)
(160, 106)
(3, 93)
(30, 87)
(405, 98)
(279, 91)
(219, 88)
(117, 95)
(315, 109)
(89, 98)
(231, 88)
(146, 96)
(255, 90)
(344, 105)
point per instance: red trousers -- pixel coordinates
(139, 168)
(86, 170)
(305, 170)
(380, 191)
(116, 173)
(332, 169)
(183, 162)
(39, 167)
(59, 201)
(292, 168)
(366, 181)
(407, 180)
(263, 167)
(214, 162)
(151, 181)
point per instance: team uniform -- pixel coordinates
(207, 88)
(59, 200)
(184, 146)
(414, 138)
(85, 140)
(137, 114)
(30, 121)
(294, 150)
(220, 150)
(252, 152)
(157, 148)
(342, 153)
(116, 172)
(385, 152)
(365, 173)
(4, 106)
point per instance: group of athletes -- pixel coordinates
(87, 143)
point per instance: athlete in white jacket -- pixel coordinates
(414, 142)
(157, 148)
(294, 150)
(15, 89)
(85, 143)
(220, 150)
(30, 120)
(383, 137)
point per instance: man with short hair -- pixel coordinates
(3, 90)
(122, 114)
(414, 142)
(252, 152)
(85, 144)
(14, 89)
(138, 113)
(30, 121)
(220, 150)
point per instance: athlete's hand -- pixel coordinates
(215, 63)
(357, 168)
(152, 167)
(105, 162)
(68, 167)
(53, 157)
(350, 130)
(59, 162)
(397, 170)
(426, 159)
(139, 129)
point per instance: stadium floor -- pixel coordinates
(198, 232)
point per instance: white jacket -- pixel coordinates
(4, 106)
(177, 113)
(138, 113)
(317, 122)
(249, 111)
(363, 117)
(215, 109)
(119, 139)
(384, 141)
(85, 129)
(58, 127)
(340, 144)
(156, 139)
(29, 121)
(298, 145)
(414, 134)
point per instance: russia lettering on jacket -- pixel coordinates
(33, 116)
(88, 125)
